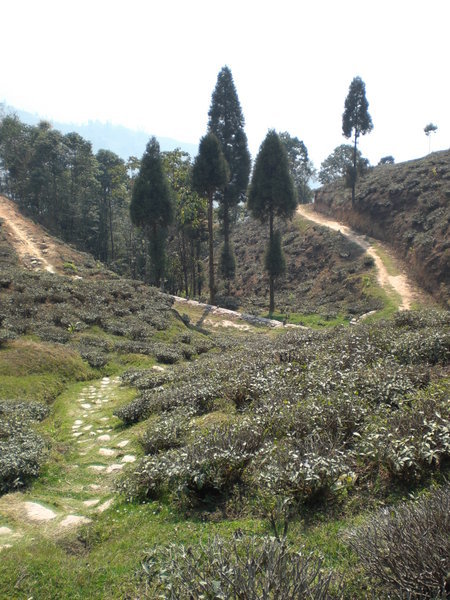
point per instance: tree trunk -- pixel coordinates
(111, 233)
(211, 250)
(271, 277)
(184, 263)
(193, 267)
(354, 169)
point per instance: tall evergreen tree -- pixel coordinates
(210, 173)
(151, 206)
(226, 121)
(356, 119)
(272, 194)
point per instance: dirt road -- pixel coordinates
(398, 283)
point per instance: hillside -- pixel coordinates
(326, 274)
(142, 456)
(408, 206)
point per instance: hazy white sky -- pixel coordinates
(153, 65)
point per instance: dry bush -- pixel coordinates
(408, 549)
(239, 569)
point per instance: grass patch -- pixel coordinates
(26, 357)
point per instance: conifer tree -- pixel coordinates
(210, 173)
(226, 121)
(272, 194)
(151, 206)
(356, 119)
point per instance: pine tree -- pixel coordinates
(151, 206)
(272, 194)
(226, 121)
(356, 119)
(210, 173)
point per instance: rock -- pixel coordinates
(37, 512)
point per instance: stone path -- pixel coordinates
(97, 454)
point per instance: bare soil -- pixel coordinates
(36, 249)
(400, 284)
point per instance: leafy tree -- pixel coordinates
(83, 191)
(190, 216)
(15, 154)
(151, 206)
(226, 121)
(300, 166)
(210, 174)
(112, 176)
(387, 160)
(429, 129)
(272, 194)
(357, 121)
(339, 162)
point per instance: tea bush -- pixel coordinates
(407, 549)
(243, 568)
(22, 450)
(308, 413)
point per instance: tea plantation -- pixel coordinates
(300, 464)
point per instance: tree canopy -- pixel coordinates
(356, 121)
(300, 166)
(338, 163)
(209, 174)
(151, 205)
(226, 121)
(272, 194)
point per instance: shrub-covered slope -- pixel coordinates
(408, 206)
(325, 273)
(59, 329)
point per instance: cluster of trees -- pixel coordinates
(154, 218)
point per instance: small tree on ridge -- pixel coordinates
(356, 120)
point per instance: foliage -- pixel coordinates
(407, 549)
(22, 450)
(226, 122)
(356, 120)
(339, 162)
(272, 194)
(151, 206)
(210, 174)
(300, 166)
(242, 568)
(387, 160)
(301, 416)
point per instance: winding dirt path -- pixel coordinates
(400, 283)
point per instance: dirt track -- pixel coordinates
(33, 246)
(400, 284)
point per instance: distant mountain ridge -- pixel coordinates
(117, 138)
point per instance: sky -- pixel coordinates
(153, 64)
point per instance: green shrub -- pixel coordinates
(22, 450)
